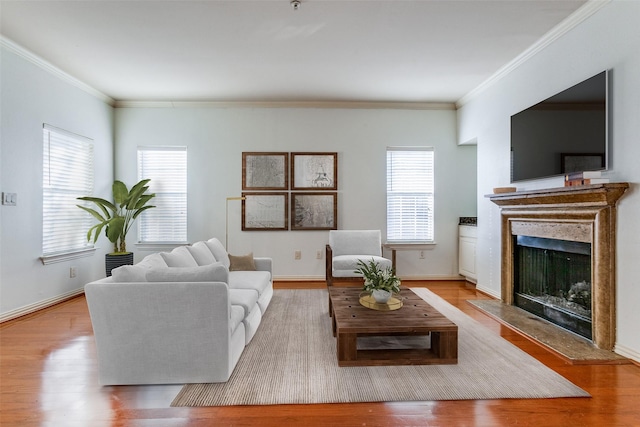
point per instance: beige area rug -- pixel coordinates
(292, 359)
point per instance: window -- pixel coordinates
(166, 167)
(67, 171)
(410, 194)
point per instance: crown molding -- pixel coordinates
(52, 69)
(572, 21)
(289, 104)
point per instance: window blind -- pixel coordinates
(67, 171)
(167, 169)
(410, 198)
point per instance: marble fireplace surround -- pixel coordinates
(580, 214)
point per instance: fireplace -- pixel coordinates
(584, 218)
(552, 279)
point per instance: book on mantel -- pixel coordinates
(584, 178)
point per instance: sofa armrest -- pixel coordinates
(264, 264)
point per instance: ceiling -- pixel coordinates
(418, 51)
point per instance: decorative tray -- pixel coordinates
(368, 301)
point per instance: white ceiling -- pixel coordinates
(264, 50)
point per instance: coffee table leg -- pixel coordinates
(445, 344)
(347, 347)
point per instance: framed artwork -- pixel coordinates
(580, 162)
(314, 211)
(264, 211)
(265, 171)
(314, 171)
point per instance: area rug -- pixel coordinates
(292, 360)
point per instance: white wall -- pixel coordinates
(607, 40)
(216, 138)
(30, 97)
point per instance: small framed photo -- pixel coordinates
(264, 211)
(314, 171)
(265, 171)
(314, 211)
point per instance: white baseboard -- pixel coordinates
(488, 291)
(627, 352)
(32, 308)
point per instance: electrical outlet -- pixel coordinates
(319, 255)
(421, 254)
(297, 255)
(9, 199)
(72, 272)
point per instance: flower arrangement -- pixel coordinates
(376, 278)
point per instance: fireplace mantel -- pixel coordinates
(586, 214)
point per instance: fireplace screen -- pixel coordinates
(553, 280)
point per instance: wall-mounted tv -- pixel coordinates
(565, 133)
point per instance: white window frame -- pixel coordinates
(166, 224)
(68, 173)
(410, 195)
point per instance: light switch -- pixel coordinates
(9, 199)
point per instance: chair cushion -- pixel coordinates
(201, 253)
(256, 280)
(236, 317)
(345, 265)
(350, 242)
(179, 257)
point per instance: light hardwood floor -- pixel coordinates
(48, 377)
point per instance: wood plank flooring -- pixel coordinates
(48, 377)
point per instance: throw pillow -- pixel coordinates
(129, 273)
(179, 257)
(215, 272)
(242, 263)
(201, 253)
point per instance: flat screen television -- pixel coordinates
(565, 133)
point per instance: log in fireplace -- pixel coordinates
(580, 217)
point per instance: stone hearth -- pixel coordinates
(579, 214)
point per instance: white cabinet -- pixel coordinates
(468, 235)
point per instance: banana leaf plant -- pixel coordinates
(117, 218)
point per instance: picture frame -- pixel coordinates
(314, 211)
(314, 171)
(580, 162)
(265, 211)
(265, 171)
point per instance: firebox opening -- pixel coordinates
(552, 279)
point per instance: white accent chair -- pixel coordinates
(346, 248)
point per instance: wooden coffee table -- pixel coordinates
(351, 320)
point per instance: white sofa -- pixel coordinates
(183, 316)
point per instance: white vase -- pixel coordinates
(381, 296)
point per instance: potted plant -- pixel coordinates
(382, 283)
(117, 218)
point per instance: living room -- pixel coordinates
(471, 139)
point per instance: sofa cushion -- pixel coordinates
(256, 280)
(245, 298)
(153, 260)
(179, 257)
(218, 251)
(201, 253)
(215, 272)
(235, 318)
(242, 262)
(129, 273)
